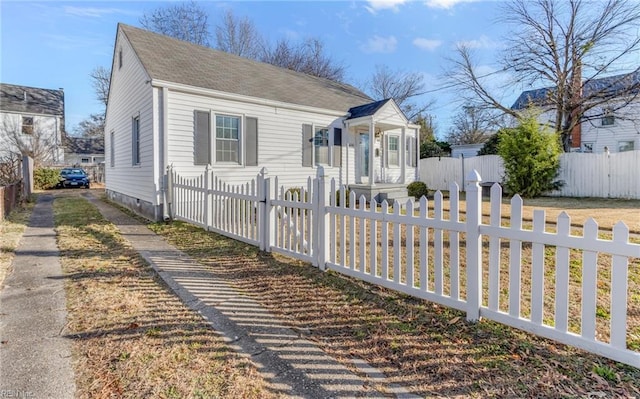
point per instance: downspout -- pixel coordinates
(166, 195)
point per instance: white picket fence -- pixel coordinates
(543, 279)
(615, 175)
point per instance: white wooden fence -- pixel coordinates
(546, 280)
(615, 175)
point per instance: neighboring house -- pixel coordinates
(612, 126)
(176, 103)
(32, 123)
(465, 150)
(82, 151)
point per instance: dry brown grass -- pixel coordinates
(132, 337)
(428, 348)
(11, 231)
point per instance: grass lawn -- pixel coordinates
(132, 338)
(11, 230)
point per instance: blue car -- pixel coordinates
(74, 177)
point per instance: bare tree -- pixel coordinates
(100, 80)
(34, 141)
(91, 127)
(239, 37)
(308, 57)
(564, 46)
(402, 86)
(186, 21)
(472, 125)
(9, 169)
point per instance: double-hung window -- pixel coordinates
(112, 151)
(608, 118)
(393, 151)
(135, 141)
(227, 138)
(321, 146)
(27, 125)
(233, 139)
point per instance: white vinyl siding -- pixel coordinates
(131, 96)
(276, 140)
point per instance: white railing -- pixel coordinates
(547, 280)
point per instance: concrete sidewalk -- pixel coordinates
(35, 359)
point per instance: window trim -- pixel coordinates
(389, 150)
(608, 116)
(632, 142)
(135, 140)
(327, 138)
(112, 151)
(589, 149)
(214, 138)
(29, 127)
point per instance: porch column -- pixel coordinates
(372, 138)
(403, 155)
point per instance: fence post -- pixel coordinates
(27, 176)
(474, 246)
(168, 194)
(321, 216)
(265, 211)
(207, 201)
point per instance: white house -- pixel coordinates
(82, 151)
(612, 125)
(31, 123)
(180, 104)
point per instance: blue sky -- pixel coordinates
(56, 44)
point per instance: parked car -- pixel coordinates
(74, 177)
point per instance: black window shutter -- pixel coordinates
(307, 145)
(251, 146)
(201, 139)
(337, 146)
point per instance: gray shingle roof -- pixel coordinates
(176, 61)
(81, 145)
(367, 109)
(31, 100)
(628, 83)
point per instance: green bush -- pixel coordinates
(45, 178)
(490, 146)
(417, 189)
(531, 156)
(435, 149)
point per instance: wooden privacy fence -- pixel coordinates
(10, 197)
(585, 175)
(576, 286)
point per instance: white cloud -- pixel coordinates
(446, 4)
(379, 44)
(426, 44)
(94, 12)
(377, 5)
(483, 42)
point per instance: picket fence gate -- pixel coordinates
(570, 288)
